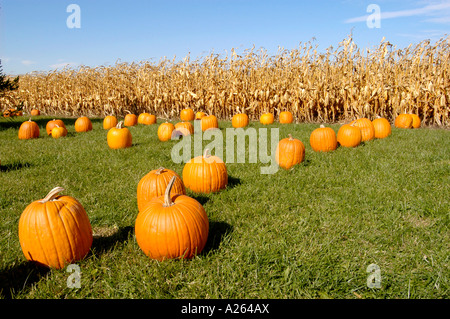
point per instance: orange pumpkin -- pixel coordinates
(349, 135)
(323, 139)
(382, 127)
(172, 226)
(165, 131)
(119, 137)
(184, 128)
(154, 184)
(286, 117)
(205, 174)
(266, 118)
(109, 122)
(403, 121)
(83, 124)
(55, 231)
(28, 129)
(53, 123)
(209, 122)
(187, 115)
(35, 112)
(59, 131)
(416, 120)
(289, 152)
(366, 127)
(199, 115)
(130, 120)
(239, 120)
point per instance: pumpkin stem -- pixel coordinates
(119, 125)
(52, 194)
(167, 200)
(290, 137)
(322, 126)
(205, 154)
(159, 170)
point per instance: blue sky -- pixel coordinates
(34, 35)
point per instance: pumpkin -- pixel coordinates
(239, 120)
(209, 122)
(289, 152)
(35, 112)
(266, 118)
(130, 120)
(83, 124)
(366, 127)
(165, 131)
(119, 137)
(55, 231)
(323, 139)
(403, 121)
(286, 117)
(382, 127)
(416, 120)
(59, 131)
(172, 226)
(28, 129)
(184, 128)
(154, 184)
(53, 123)
(187, 115)
(205, 174)
(349, 135)
(199, 115)
(146, 119)
(109, 122)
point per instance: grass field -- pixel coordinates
(310, 232)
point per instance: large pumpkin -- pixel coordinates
(209, 122)
(53, 123)
(239, 120)
(28, 129)
(205, 174)
(154, 184)
(187, 115)
(290, 151)
(266, 118)
(55, 231)
(286, 117)
(165, 131)
(83, 124)
(323, 139)
(349, 135)
(403, 121)
(109, 122)
(119, 137)
(366, 127)
(172, 226)
(382, 127)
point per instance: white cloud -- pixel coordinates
(441, 9)
(27, 62)
(62, 65)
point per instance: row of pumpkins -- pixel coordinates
(56, 230)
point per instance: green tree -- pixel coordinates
(7, 84)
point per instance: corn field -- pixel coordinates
(336, 85)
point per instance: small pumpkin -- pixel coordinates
(403, 121)
(187, 115)
(172, 226)
(53, 123)
(146, 119)
(119, 137)
(209, 122)
(199, 115)
(154, 184)
(239, 120)
(184, 128)
(205, 174)
(28, 129)
(382, 127)
(349, 135)
(83, 124)
(55, 231)
(289, 152)
(109, 122)
(130, 119)
(366, 127)
(286, 117)
(416, 120)
(323, 139)
(35, 112)
(165, 131)
(266, 118)
(59, 131)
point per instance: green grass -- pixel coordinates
(310, 232)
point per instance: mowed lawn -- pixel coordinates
(310, 232)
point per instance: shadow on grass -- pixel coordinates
(233, 182)
(20, 277)
(218, 231)
(106, 238)
(13, 166)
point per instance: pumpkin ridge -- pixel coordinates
(62, 212)
(50, 227)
